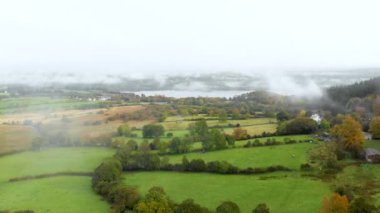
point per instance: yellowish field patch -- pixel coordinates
(15, 137)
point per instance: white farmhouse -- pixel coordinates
(317, 118)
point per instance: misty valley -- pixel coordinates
(100, 147)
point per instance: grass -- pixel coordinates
(255, 129)
(373, 144)
(253, 126)
(82, 159)
(13, 105)
(57, 194)
(282, 193)
(291, 156)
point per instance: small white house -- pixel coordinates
(317, 118)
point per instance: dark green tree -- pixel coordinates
(261, 208)
(124, 130)
(228, 207)
(153, 130)
(189, 206)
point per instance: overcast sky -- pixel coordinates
(140, 37)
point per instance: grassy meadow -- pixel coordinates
(291, 156)
(283, 192)
(254, 126)
(82, 159)
(54, 194)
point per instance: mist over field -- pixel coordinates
(302, 83)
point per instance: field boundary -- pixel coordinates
(48, 175)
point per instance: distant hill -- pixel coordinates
(342, 94)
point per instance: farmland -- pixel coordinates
(278, 190)
(57, 194)
(51, 194)
(291, 156)
(263, 149)
(20, 126)
(254, 126)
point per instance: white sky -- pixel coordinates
(142, 37)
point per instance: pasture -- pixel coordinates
(291, 156)
(81, 159)
(373, 144)
(254, 126)
(55, 194)
(282, 192)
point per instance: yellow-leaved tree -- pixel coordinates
(374, 127)
(336, 204)
(349, 134)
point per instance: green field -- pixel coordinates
(55, 194)
(283, 192)
(373, 144)
(291, 156)
(253, 126)
(30, 104)
(82, 159)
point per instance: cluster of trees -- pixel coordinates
(349, 136)
(348, 141)
(299, 125)
(342, 94)
(106, 181)
(153, 130)
(375, 127)
(272, 142)
(354, 194)
(178, 145)
(211, 138)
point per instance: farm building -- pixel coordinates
(372, 155)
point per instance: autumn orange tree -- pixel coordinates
(374, 127)
(349, 134)
(240, 134)
(336, 204)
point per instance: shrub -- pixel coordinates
(305, 167)
(197, 165)
(228, 207)
(261, 208)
